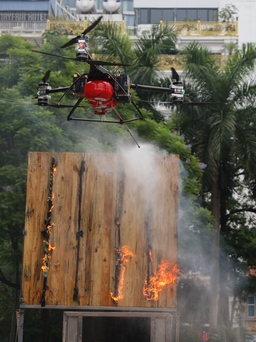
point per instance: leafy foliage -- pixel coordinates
(227, 13)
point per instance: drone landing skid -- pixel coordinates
(121, 121)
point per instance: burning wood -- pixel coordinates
(123, 255)
(166, 274)
(48, 248)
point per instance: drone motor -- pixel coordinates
(82, 45)
(177, 91)
(42, 94)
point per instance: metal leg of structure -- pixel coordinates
(20, 323)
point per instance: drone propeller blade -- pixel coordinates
(74, 40)
(89, 61)
(46, 76)
(71, 42)
(52, 54)
(94, 24)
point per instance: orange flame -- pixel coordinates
(51, 248)
(166, 274)
(48, 247)
(150, 255)
(124, 257)
(45, 268)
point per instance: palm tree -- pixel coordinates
(222, 135)
(147, 50)
(112, 43)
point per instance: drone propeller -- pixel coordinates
(74, 40)
(89, 61)
(46, 76)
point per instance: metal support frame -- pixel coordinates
(20, 323)
(162, 319)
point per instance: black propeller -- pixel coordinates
(89, 61)
(74, 40)
(46, 76)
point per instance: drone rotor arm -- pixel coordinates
(58, 105)
(57, 90)
(150, 88)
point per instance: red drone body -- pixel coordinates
(99, 94)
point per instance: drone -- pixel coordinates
(102, 90)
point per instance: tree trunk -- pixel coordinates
(214, 295)
(223, 317)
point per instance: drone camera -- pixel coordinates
(122, 88)
(177, 91)
(43, 97)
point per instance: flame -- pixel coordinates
(124, 256)
(166, 274)
(51, 248)
(45, 268)
(150, 255)
(50, 210)
(48, 248)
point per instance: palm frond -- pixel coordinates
(239, 67)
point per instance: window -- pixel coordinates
(155, 16)
(213, 14)
(99, 4)
(192, 14)
(181, 15)
(202, 14)
(168, 14)
(250, 306)
(127, 6)
(143, 16)
(129, 20)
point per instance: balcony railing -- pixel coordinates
(67, 27)
(22, 27)
(202, 28)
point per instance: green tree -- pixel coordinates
(227, 13)
(222, 136)
(148, 49)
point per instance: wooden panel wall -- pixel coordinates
(115, 201)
